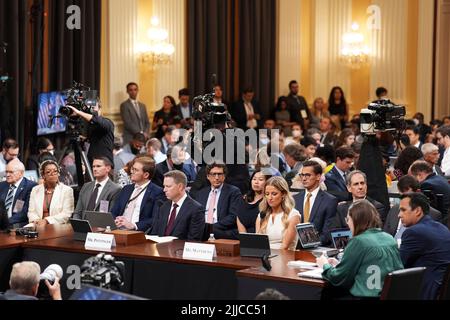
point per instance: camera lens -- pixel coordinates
(66, 111)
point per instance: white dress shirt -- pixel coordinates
(100, 189)
(2, 163)
(445, 165)
(179, 204)
(137, 207)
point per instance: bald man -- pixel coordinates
(15, 193)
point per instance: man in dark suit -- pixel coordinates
(134, 115)
(15, 193)
(431, 155)
(137, 203)
(176, 160)
(180, 216)
(414, 136)
(357, 186)
(335, 180)
(183, 110)
(98, 195)
(435, 185)
(221, 201)
(327, 133)
(298, 107)
(425, 243)
(315, 205)
(393, 224)
(246, 112)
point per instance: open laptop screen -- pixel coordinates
(340, 238)
(308, 236)
(254, 244)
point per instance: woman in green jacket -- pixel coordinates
(369, 256)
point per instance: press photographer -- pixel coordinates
(24, 283)
(100, 129)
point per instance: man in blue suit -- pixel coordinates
(429, 181)
(425, 242)
(221, 202)
(316, 206)
(180, 216)
(137, 203)
(335, 180)
(15, 193)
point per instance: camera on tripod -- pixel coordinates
(382, 116)
(209, 112)
(103, 271)
(80, 97)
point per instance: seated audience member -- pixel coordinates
(424, 243)
(368, 247)
(9, 152)
(67, 175)
(393, 225)
(51, 202)
(431, 155)
(221, 201)
(177, 159)
(310, 146)
(15, 193)
(327, 129)
(271, 294)
(180, 216)
(413, 133)
(405, 159)
(346, 138)
(296, 131)
(282, 114)
(318, 112)
(357, 186)
(121, 157)
(24, 283)
(294, 155)
(137, 203)
(316, 206)
(169, 138)
(430, 182)
(154, 150)
(278, 217)
(336, 178)
(100, 194)
(43, 145)
(247, 215)
(136, 146)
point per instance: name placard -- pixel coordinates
(99, 241)
(199, 251)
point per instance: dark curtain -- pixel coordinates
(74, 54)
(210, 50)
(14, 15)
(257, 22)
(236, 41)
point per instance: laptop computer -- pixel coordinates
(88, 292)
(80, 229)
(340, 238)
(309, 239)
(100, 219)
(254, 245)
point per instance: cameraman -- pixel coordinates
(24, 283)
(100, 133)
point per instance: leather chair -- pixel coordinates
(403, 284)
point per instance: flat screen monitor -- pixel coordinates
(48, 107)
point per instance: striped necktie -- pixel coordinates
(10, 197)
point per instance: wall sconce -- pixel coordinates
(157, 51)
(355, 53)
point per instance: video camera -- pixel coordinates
(382, 116)
(103, 271)
(80, 97)
(209, 112)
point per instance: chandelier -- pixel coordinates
(157, 51)
(355, 53)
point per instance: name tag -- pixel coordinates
(304, 114)
(199, 251)
(18, 206)
(98, 241)
(104, 206)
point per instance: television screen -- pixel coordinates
(49, 104)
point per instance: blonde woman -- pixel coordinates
(278, 217)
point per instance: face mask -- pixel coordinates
(416, 122)
(52, 152)
(264, 141)
(296, 133)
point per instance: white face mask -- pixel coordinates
(264, 141)
(52, 152)
(296, 133)
(416, 122)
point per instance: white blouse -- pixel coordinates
(275, 230)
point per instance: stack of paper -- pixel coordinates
(315, 273)
(302, 264)
(160, 239)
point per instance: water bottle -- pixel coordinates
(108, 229)
(211, 237)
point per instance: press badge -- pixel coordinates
(304, 114)
(18, 206)
(104, 206)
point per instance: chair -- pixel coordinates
(444, 293)
(403, 284)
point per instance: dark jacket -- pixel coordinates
(392, 219)
(336, 185)
(239, 115)
(22, 194)
(342, 210)
(438, 185)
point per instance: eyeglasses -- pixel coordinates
(216, 175)
(305, 175)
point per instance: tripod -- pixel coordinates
(75, 144)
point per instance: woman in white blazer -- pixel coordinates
(51, 202)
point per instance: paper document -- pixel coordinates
(302, 264)
(315, 273)
(160, 239)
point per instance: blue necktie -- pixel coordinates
(10, 197)
(399, 233)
